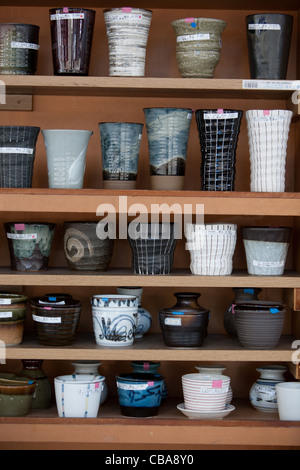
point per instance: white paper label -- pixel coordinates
(24, 45)
(272, 84)
(189, 116)
(173, 321)
(123, 386)
(213, 391)
(269, 264)
(52, 303)
(39, 319)
(123, 17)
(6, 314)
(264, 27)
(221, 116)
(67, 16)
(22, 236)
(16, 150)
(271, 394)
(194, 37)
(5, 301)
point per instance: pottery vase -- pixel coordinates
(84, 250)
(185, 324)
(240, 294)
(147, 367)
(168, 134)
(211, 248)
(19, 46)
(120, 147)
(153, 246)
(218, 131)
(269, 39)
(66, 157)
(268, 132)
(198, 46)
(259, 324)
(127, 31)
(55, 322)
(266, 249)
(78, 396)
(215, 370)
(91, 368)
(12, 318)
(42, 398)
(29, 245)
(71, 35)
(144, 320)
(17, 155)
(114, 319)
(263, 392)
(139, 394)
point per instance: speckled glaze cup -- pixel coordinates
(198, 46)
(127, 32)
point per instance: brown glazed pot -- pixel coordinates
(185, 324)
(259, 323)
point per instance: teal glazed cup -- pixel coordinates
(29, 245)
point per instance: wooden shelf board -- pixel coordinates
(151, 348)
(137, 86)
(244, 426)
(116, 277)
(87, 201)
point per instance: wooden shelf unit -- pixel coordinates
(77, 102)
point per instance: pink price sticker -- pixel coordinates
(47, 308)
(146, 366)
(65, 10)
(19, 226)
(97, 385)
(220, 111)
(266, 112)
(126, 9)
(189, 20)
(217, 384)
(150, 384)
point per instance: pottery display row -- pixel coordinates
(211, 247)
(141, 393)
(198, 43)
(168, 135)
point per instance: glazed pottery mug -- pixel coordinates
(288, 401)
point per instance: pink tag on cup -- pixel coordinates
(220, 111)
(266, 112)
(150, 384)
(146, 366)
(189, 20)
(126, 9)
(97, 385)
(47, 308)
(19, 226)
(217, 384)
(65, 10)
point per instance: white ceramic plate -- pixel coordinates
(205, 414)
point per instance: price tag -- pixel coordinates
(124, 386)
(173, 321)
(211, 116)
(16, 150)
(67, 16)
(272, 84)
(194, 37)
(24, 45)
(39, 319)
(6, 314)
(269, 264)
(22, 236)
(264, 27)
(5, 301)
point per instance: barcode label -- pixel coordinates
(271, 84)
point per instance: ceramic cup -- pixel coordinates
(288, 401)
(66, 156)
(78, 396)
(144, 321)
(12, 318)
(114, 319)
(205, 392)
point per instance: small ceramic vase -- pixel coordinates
(211, 248)
(149, 368)
(17, 155)
(78, 396)
(139, 394)
(42, 398)
(91, 368)
(218, 131)
(185, 324)
(29, 245)
(84, 250)
(269, 39)
(120, 147)
(19, 46)
(266, 249)
(71, 35)
(259, 323)
(12, 318)
(215, 370)
(66, 157)
(263, 391)
(240, 294)
(144, 321)
(153, 246)
(114, 319)
(198, 46)
(268, 132)
(168, 134)
(127, 31)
